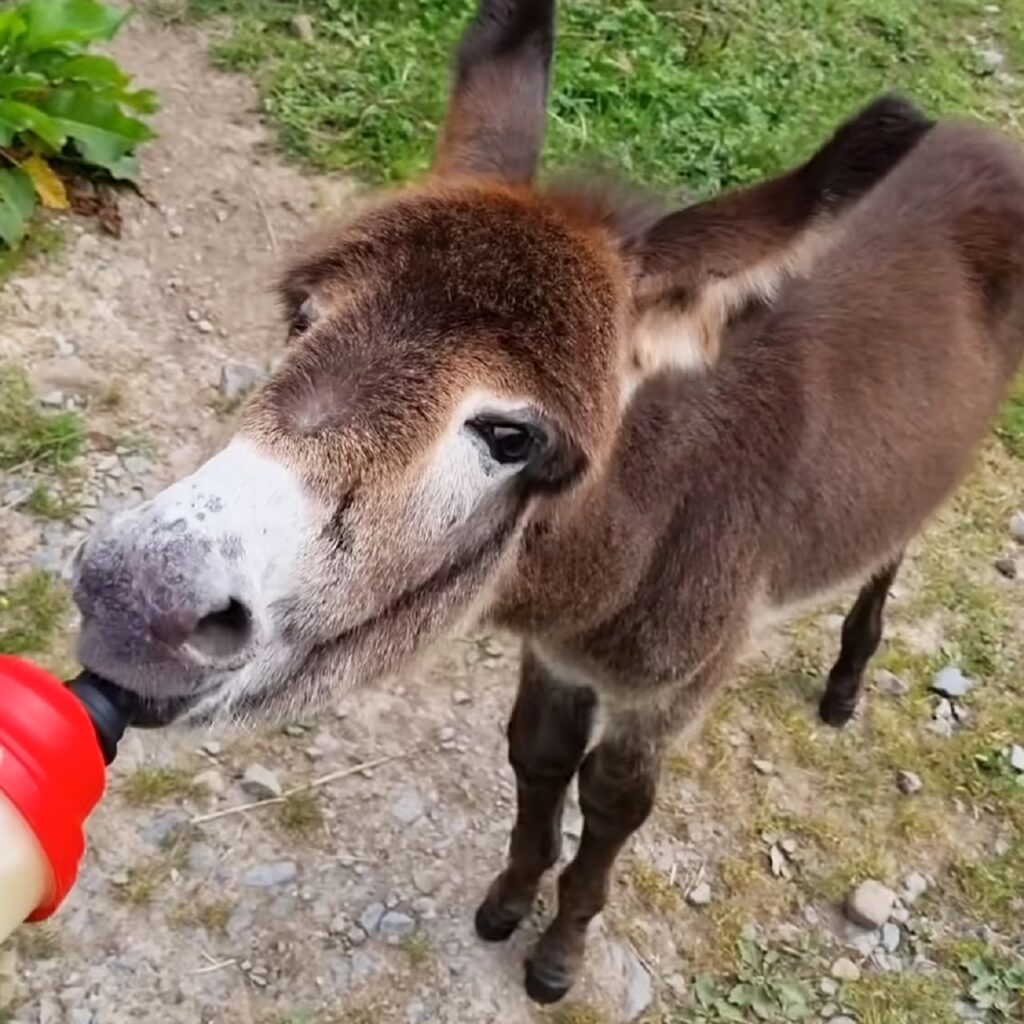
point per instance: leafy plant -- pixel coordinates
(756, 992)
(61, 103)
(997, 990)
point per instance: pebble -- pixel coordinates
(951, 682)
(1017, 526)
(891, 937)
(408, 807)
(1017, 758)
(212, 747)
(891, 684)
(212, 781)
(909, 782)
(870, 904)
(915, 885)
(447, 734)
(194, 315)
(267, 875)
(261, 783)
(427, 880)
(1006, 567)
(370, 917)
(238, 379)
(828, 986)
(356, 935)
(425, 907)
(175, 231)
(764, 767)
(302, 27)
(460, 697)
(779, 864)
(699, 895)
(844, 969)
(204, 327)
(395, 924)
(52, 400)
(842, 1020)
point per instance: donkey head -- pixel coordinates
(459, 358)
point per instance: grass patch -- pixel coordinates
(300, 813)
(28, 435)
(31, 613)
(701, 94)
(992, 890)
(1010, 429)
(46, 239)
(46, 503)
(148, 786)
(142, 883)
(37, 942)
(905, 998)
(575, 1013)
(417, 949)
(212, 916)
(652, 888)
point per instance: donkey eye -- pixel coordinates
(509, 443)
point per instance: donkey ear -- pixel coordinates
(496, 114)
(694, 268)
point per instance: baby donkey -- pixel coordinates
(628, 436)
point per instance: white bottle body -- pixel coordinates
(25, 876)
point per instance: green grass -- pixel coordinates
(705, 94)
(45, 239)
(1010, 429)
(300, 813)
(147, 786)
(909, 998)
(31, 613)
(28, 435)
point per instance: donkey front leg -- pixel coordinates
(617, 788)
(548, 735)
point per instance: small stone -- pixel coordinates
(891, 937)
(238, 379)
(176, 231)
(425, 907)
(788, 847)
(302, 27)
(891, 684)
(763, 767)
(408, 807)
(870, 904)
(396, 924)
(915, 885)
(339, 925)
(909, 782)
(204, 327)
(460, 697)
(370, 917)
(268, 875)
(951, 682)
(828, 986)
(212, 781)
(1006, 567)
(52, 400)
(294, 731)
(1017, 526)
(1017, 758)
(779, 864)
(992, 59)
(137, 465)
(699, 895)
(427, 880)
(212, 747)
(355, 935)
(447, 734)
(841, 1020)
(164, 827)
(844, 969)
(194, 315)
(261, 783)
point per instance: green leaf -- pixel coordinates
(17, 202)
(90, 68)
(68, 22)
(750, 953)
(763, 1004)
(18, 117)
(12, 25)
(15, 83)
(145, 101)
(705, 989)
(101, 132)
(742, 995)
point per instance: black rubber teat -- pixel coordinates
(107, 706)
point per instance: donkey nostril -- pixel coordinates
(223, 633)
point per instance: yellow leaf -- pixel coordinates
(49, 187)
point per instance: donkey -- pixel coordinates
(628, 436)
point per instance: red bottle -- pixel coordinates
(55, 744)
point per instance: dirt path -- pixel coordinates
(151, 320)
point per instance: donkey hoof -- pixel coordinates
(494, 923)
(836, 713)
(546, 984)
